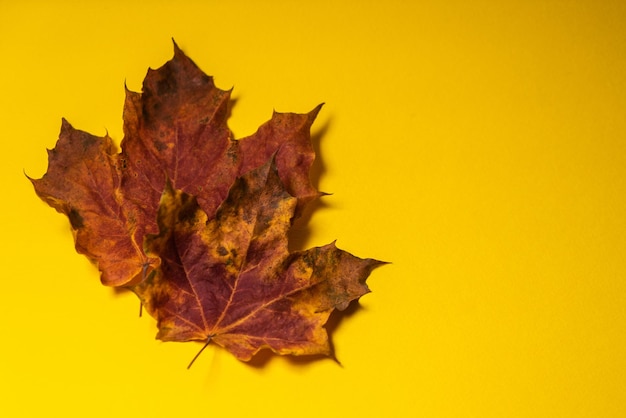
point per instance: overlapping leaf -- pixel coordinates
(195, 222)
(231, 279)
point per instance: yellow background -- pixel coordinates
(479, 146)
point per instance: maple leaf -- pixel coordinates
(232, 280)
(196, 222)
(176, 129)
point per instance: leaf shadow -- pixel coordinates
(300, 231)
(263, 357)
(232, 102)
(319, 167)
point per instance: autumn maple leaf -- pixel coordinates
(232, 280)
(196, 222)
(177, 130)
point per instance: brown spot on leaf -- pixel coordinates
(75, 219)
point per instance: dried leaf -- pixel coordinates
(176, 129)
(231, 279)
(196, 222)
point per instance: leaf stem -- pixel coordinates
(199, 352)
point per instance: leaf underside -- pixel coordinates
(195, 222)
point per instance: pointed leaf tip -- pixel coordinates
(177, 49)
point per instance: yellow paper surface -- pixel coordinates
(478, 146)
